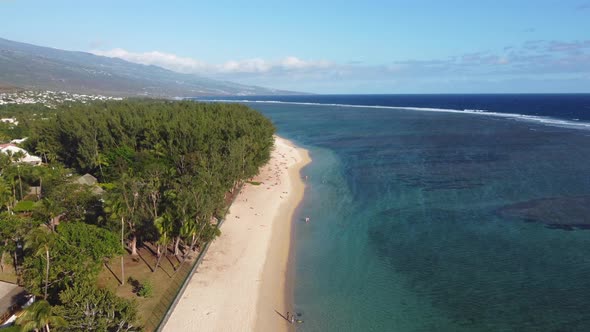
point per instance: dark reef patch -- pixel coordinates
(566, 213)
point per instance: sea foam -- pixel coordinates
(572, 124)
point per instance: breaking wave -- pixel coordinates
(573, 124)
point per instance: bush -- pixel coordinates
(24, 206)
(146, 289)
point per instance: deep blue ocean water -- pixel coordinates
(430, 220)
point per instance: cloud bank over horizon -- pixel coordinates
(193, 66)
(541, 63)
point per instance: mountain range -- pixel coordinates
(35, 67)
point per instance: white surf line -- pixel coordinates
(531, 118)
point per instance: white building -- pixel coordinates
(12, 149)
(18, 140)
(10, 120)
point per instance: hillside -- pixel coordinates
(35, 67)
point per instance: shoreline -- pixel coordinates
(244, 282)
(280, 253)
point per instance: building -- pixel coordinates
(12, 149)
(18, 140)
(91, 181)
(12, 299)
(10, 120)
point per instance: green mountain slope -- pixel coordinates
(36, 67)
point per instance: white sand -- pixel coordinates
(242, 279)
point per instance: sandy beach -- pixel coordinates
(242, 284)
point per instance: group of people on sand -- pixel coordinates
(290, 318)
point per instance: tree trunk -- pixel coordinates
(134, 245)
(193, 241)
(20, 183)
(176, 244)
(46, 273)
(97, 155)
(40, 188)
(122, 256)
(2, 261)
(47, 327)
(159, 254)
(122, 271)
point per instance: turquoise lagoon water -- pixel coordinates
(433, 221)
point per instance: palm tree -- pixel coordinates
(164, 225)
(15, 157)
(43, 150)
(38, 317)
(117, 209)
(127, 191)
(39, 172)
(41, 241)
(52, 209)
(5, 194)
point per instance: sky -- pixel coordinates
(324, 46)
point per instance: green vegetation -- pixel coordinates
(165, 170)
(39, 316)
(25, 115)
(146, 289)
(88, 308)
(24, 206)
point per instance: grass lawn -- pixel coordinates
(8, 274)
(165, 281)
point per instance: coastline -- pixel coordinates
(277, 273)
(243, 282)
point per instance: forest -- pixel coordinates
(116, 176)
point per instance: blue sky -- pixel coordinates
(330, 46)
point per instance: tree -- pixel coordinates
(116, 210)
(39, 316)
(10, 226)
(123, 203)
(95, 242)
(15, 157)
(39, 173)
(76, 255)
(164, 226)
(43, 150)
(50, 210)
(88, 308)
(6, 195)
(13, 229)
(152, 204)
(41, 242)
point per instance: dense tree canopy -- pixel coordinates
(165, 173)
(88, 308)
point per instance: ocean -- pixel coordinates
(441, 212)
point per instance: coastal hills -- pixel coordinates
(34, 67)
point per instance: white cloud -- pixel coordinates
(166, 60)
(292, 62)
(540, 59)
(190, 65)
(245, 66)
